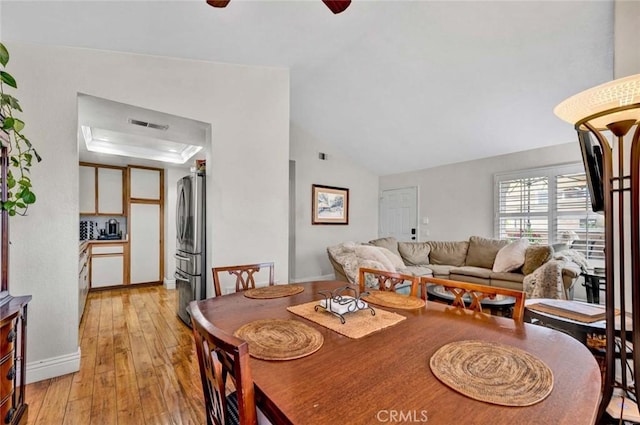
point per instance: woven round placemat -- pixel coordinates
(275, 291)
(393, 300)
(492, 372)
(280, 339)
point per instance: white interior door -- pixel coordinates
(399, 214)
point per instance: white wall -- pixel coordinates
(458, 198)
(626, 41)
(248, 108)
(338, 170)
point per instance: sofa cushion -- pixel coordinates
(374, 253)
(511, 257)
(395, 259)
(471, 271)
(416, 271)
(482, 251)
(440, 271)
(414, 253)
(506, 276)
(389, 242)
(535, 256)
(448, 253)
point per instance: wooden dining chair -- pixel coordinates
(388, 281)
(476, 293)
(222, 356)
(244, 276)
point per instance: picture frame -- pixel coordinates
(329, 205)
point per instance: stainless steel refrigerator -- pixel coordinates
(191, 243)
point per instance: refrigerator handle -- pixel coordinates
(181, 257)
(181, 276)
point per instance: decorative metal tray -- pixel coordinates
(338, 303)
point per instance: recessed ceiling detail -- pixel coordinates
(115, 143)
(116, 130)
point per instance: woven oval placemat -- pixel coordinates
(275, 291)
(492, 372)
(393, 300)
(280, 339)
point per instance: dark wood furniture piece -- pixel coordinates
(244, 276)
(358, 381)
(476, 297)
(221, 356)
(388, 281)
(587, 333)
(13, 344)
(13, 316)
(594, 282)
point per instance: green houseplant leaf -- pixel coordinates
(4, 55)
(20, 149)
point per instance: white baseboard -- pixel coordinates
(312, 278)
(53, 366)
(169, 283)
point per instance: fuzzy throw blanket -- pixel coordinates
(545, 281)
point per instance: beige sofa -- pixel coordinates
(543, 273)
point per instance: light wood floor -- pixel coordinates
(138, 366)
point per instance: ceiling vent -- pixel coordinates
(148, 124)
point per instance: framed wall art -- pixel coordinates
(329, 205)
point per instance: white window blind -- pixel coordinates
(549, 205)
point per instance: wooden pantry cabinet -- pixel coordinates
(146, 224)
(139, 258)
(102, 189)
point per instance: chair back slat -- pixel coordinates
(476, 294)
(222, 357)
(244, 274)
(388, 281)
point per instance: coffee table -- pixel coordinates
(501, 304)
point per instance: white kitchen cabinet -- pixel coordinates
(145, 183)
(110, 196)
(107, 265)
(144, 242)
(87, 189)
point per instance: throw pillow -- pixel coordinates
(365, 252)
(414, 253)
(511, 257)
(482, 251)
(396, 260)
(448, 253)
(535, 256)
(390, 243)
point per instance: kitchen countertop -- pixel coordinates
(104, 241)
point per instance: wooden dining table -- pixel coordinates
(385, 377)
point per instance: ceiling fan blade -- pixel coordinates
(218, 3)
(337, 6)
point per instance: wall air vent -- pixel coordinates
(148, 124)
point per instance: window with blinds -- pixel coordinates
(549, 205)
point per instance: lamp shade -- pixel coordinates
(605, 97)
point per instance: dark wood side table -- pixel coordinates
(594, 282)
(13, 342)
(581, 331)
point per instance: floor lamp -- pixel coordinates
(612, 110)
